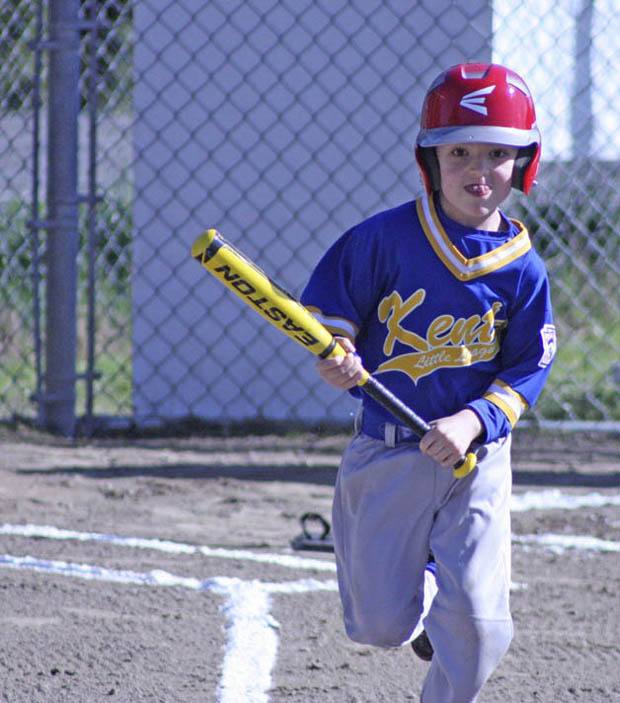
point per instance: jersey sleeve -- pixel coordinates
(342, 289)
(527, 352)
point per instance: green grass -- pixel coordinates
(113, 311)
(583, 384)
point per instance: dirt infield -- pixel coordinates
(150, 570)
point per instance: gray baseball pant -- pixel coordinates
(391, 505)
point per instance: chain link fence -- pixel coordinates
(282, 124)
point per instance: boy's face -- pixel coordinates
(475, 179)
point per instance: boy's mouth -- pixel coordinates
(478, 189)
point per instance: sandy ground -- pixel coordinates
(87, 619)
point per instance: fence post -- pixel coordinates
(582, 118)
(62, 214)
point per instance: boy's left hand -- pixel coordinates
(450, 437)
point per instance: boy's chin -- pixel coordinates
(481, 217)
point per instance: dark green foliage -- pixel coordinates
(113, 53)
(113, 247)
(17, 20)
(18, 38)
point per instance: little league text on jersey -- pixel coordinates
(449, 341)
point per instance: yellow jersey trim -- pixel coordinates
(509, 401)
(338, 326)
(460, 266)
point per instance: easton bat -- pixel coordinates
(244, 278)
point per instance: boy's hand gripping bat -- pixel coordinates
(288, 315)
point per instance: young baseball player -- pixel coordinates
(446, 302)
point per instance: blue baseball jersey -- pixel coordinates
(444, 315)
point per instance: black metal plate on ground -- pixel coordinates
(315, 534)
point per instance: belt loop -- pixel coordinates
(390, 434)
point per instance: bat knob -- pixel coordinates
(465, 466)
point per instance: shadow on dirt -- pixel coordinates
(320, 475)
(316, 474)
(565, 478)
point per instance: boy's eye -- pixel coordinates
(458, 151)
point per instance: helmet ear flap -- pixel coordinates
(429, 167)
(525, 168)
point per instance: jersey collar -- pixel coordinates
(460, 266)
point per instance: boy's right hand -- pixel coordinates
(342, 372)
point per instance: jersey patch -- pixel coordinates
(550, 345)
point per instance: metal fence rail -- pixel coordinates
(282, 123)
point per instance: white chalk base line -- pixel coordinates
(168, 546)
(252, 641)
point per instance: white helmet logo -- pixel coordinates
(476, 101)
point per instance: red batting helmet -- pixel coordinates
(479, 102)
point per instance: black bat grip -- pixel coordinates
(379, 393)
(412, 420)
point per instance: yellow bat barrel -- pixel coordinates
(256, 289)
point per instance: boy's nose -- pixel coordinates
(478, 164)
